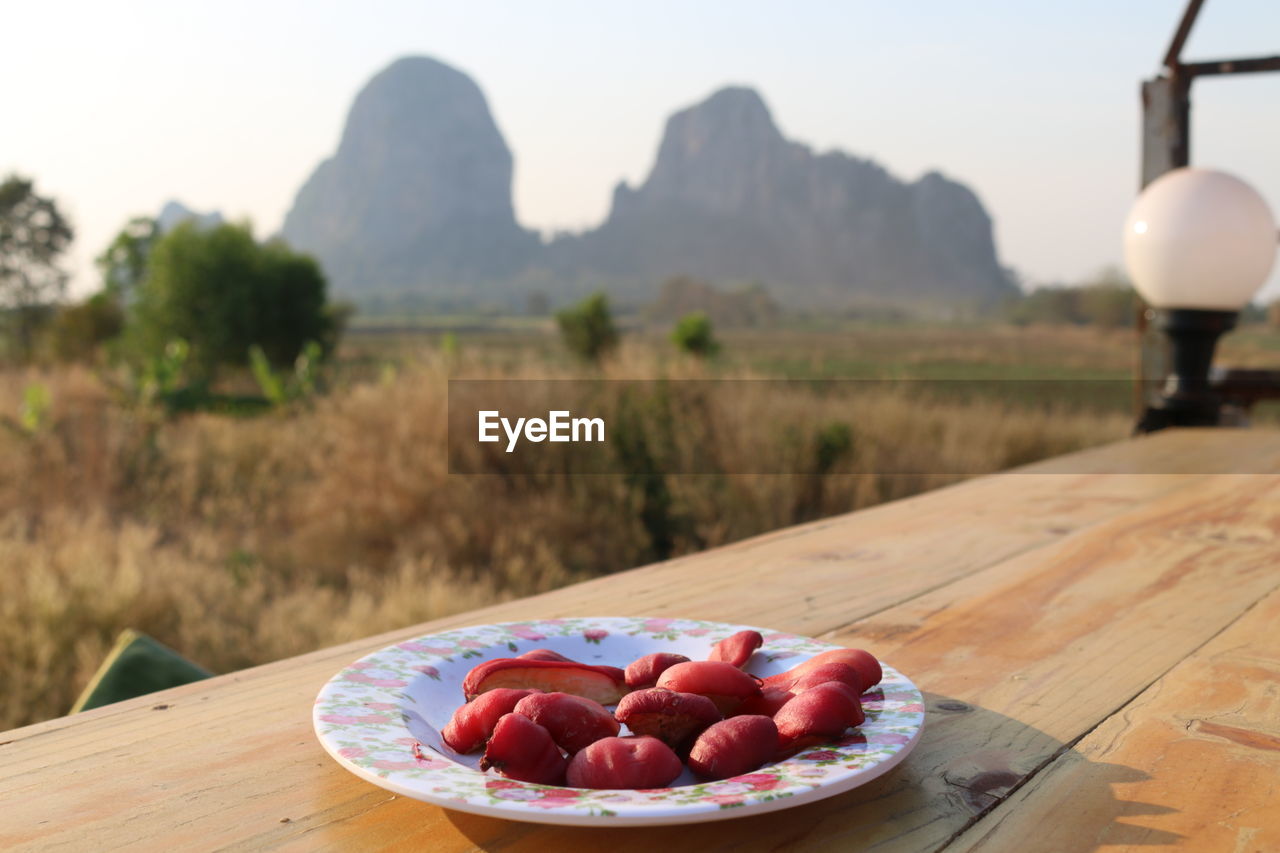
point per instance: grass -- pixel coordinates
(243, 540)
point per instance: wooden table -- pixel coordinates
(1100, 654)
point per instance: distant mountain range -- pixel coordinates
(417, 201)
(174, 213)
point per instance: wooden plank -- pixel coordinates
(1194, 761)
(253, 760)
(1037, 655)
(1006, 716)
(1017, 661)
(1172, 452)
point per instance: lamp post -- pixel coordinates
(1198, 244)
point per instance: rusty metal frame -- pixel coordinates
(1166, 99)
(1166, 145)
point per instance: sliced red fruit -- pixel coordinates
(721, 682)
(574, 722)
(472, 723)
(545, 654)
(643, 672)
(604, 684)
(523, 750)
(624, 762)
(863, 662)
(821, 712)
(734, 746)
(767, 703)
(738, 648)
(867, 666)
(833, 671)
(673, 718)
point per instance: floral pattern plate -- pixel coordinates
(380, 718)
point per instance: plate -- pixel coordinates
(380, 718)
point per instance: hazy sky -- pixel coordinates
(115, 108)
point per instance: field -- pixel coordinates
(240, 540)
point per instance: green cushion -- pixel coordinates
(137, 665)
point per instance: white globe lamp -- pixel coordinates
(1198, 245)
(1199, 239)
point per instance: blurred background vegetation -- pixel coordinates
(210, 450)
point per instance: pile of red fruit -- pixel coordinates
(541, 717)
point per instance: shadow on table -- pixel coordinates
(968, 761)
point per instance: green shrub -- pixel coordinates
(279, 387)
(33, 415)
(587, 328)
(693, 335)
(222, 292)
(1107, 300)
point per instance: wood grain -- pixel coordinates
(1030, 606)
(1193, 762)
(999, 708)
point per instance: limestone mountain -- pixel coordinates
(729, 198)
(174, 213)
(418, 194)
(417, 200)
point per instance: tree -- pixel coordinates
(1106, 300)
(587, 328)
(693, 334)
(78, 332)
(124, 263)
(33, 235)
(222, 292)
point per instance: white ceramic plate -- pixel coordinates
(371, 717)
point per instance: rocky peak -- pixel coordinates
(731, 199)
(421, 114)
(174, 213)
(955, 237)
(713, 153)
(421, 183)
(417, 200)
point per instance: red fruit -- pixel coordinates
(643, 672)
(721, 682)
(863, 662)
(767, 703)
(867, 666)
(472, 723)
(838, 672)
(604, 684)
(521, 749)
(672, 718)
(545, 654)
(573, 721)
(822, 712)
(737, 649)
(733, 747)
(624, 762)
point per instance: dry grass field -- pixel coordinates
(240, 540)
